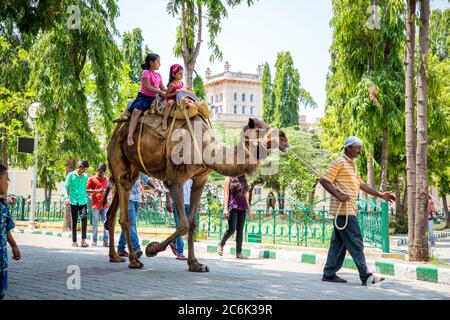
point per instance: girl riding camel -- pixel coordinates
(151, 86)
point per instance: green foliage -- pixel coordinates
(14, 101)
(59, 79)
(199, 88)
(286, 89)
(268, 103)
(194, 15)
(293, 177)
(363, 59)
(133, 53)
(440, 34)
(214, 12)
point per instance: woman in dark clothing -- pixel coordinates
(234, 209)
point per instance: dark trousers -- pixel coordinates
(349, 239)
(3, 284)
(75, 209)
(236, 222)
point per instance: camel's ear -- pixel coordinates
(252, 123)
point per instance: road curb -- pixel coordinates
(397, 269)
(404, 240)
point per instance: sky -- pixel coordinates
(250, 36)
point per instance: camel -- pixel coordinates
(156, 151)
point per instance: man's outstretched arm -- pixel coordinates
(385, 195)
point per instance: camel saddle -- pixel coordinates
(153, 117)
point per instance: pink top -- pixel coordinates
(155, 82)
(173, 87)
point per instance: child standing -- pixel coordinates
(175, 84)
(6, 225)
(151, 87)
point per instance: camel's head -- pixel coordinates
(260, 134)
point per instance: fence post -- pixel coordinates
(385, 225)
(22, 209)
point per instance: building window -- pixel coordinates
(212, 99)
(235, 109)
(217, 98)
(251, 98)
(243, 109)
(221, 97)
(243, 97)
(235, 96)
(258, 193)
(252, 110)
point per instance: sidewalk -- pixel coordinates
(387, 264)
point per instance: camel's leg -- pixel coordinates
(124, 197)
(196, 195)
(110, 224)
(176, 192)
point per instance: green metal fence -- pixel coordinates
(295, 225)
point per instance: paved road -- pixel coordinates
(41, 274)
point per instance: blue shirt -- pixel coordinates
(6, 224)
(135, 194)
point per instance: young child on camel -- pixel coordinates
(151, 86)
(174, 85)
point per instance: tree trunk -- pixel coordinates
(370, 170)
(420, 251)
(67, 226)
(4, 148)
(189, 75)
(447, 213)
(409, 119)
(384, 159)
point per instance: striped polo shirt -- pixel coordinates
(343, 175)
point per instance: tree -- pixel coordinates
(192, 14)
(268, 103)
(286, 90)
(439, 105)
(420, 250)
(365, 81)
(59, 78)
(440, 34)
(133, 53)
(14, 100)
(409, 118)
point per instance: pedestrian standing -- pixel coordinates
(96, 186)
(431, 211)
(75, 186)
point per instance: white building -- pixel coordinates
(234, 97)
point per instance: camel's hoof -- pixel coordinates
(116, 259)
(198, 267)
(152, 249)
(136, 265)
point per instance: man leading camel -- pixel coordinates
(343, 183)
